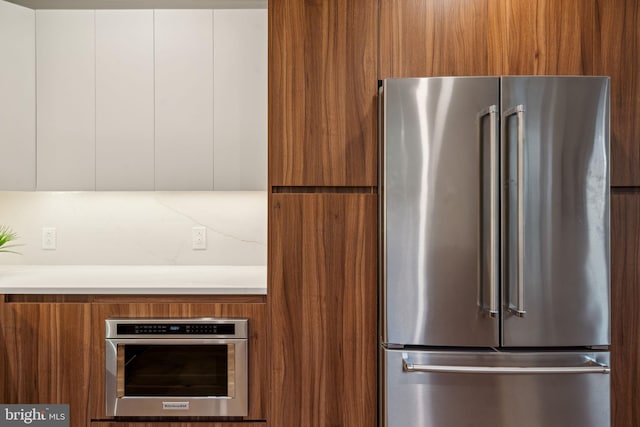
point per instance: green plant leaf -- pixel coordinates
(6, 236)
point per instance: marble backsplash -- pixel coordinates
(137, 228)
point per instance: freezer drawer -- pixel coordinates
(447, 389)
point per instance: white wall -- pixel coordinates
(137, 228)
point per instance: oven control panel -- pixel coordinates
(173, 329)
(227, 328)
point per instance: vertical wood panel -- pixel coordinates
(47, 357)
(625, 315)
(618, 56)
(323, 307)
(322, 92)
(549, 37)
(421, 38)
(286, 89)
(497, 37)
(486, 37)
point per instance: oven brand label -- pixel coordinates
(175, 406)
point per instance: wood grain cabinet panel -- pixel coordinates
(549, 37)
(486, 37)
(618, 55)
(258, 360)
(423, 38)
(46, 358)
(322, 92)
(323, 294)
(625, 316)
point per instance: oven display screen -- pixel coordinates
(176, 329)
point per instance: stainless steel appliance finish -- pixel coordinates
(433, 251)
(562, 223)
(172, 354)
(494, 235)
(498, 389)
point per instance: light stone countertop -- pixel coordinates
(133, 279)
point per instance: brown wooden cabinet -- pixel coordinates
(151, 307)
(625, 314)
(617, 53)
(46, 358)
(421, 38)
(548, 37)
(322, 288)
(486, 37)
(322, 92)
(53, 351)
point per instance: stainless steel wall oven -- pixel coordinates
(176, 367)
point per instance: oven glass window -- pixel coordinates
(176, 370)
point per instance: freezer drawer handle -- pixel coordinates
(519, 110)
(591, 367)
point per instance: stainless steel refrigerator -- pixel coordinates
(494, 246)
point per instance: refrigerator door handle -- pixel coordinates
(519, 110)
(492, 112)
(590, 367)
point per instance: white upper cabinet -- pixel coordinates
(124, 100)
(184, 99)
(240, 99)
(17, 98)
(133, 99)
(65, 75)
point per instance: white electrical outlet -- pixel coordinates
(199, 238)
(49, 238)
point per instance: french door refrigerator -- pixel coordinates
(494, 246)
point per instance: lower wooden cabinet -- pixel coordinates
(46, 357)
(625, 311)
(54, 352)
(323, 292)
(258, 356)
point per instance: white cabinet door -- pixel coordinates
(184, 99)
(17, 98)
(240, 101)
(65, 58)
(124, 100)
